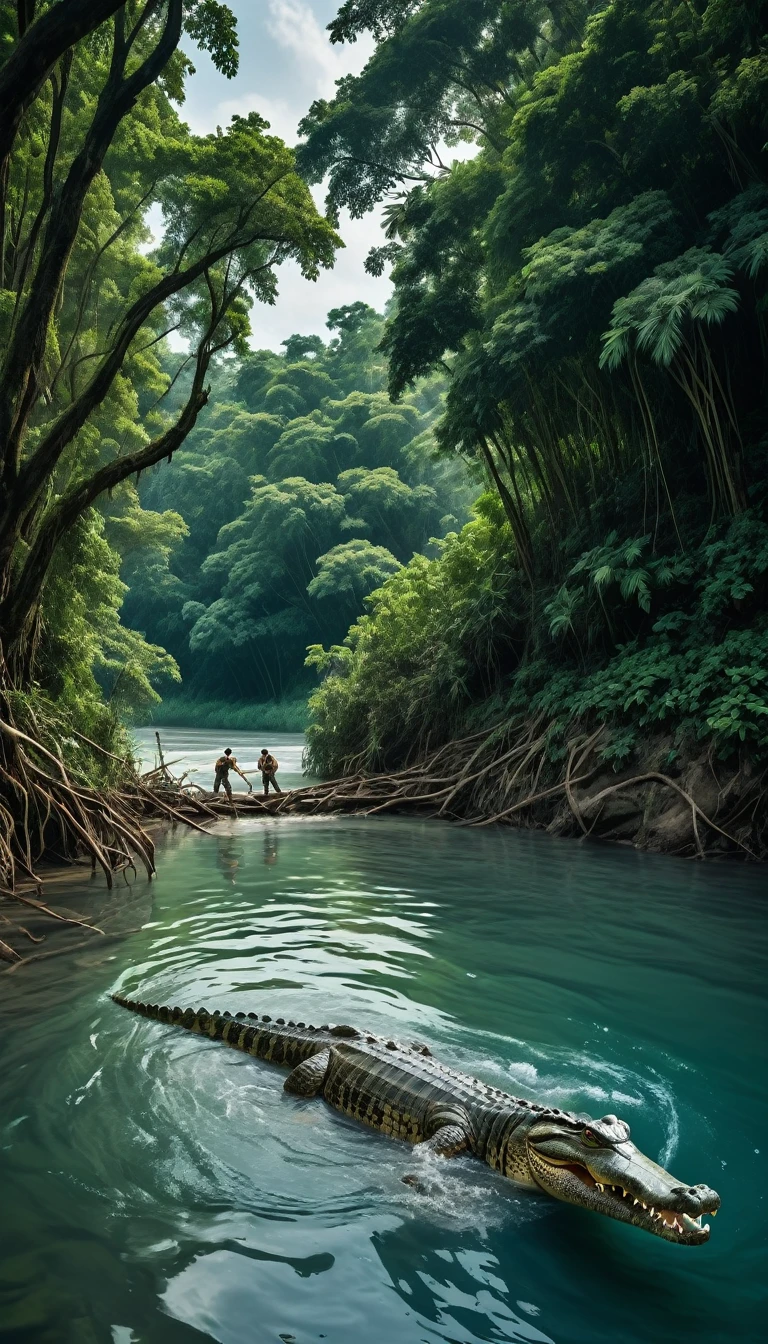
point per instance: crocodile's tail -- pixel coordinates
(280, 1042)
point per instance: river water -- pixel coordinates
(194, 751)
(159, 1189)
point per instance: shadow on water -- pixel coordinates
(157, 1188)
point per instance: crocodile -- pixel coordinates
(401, 1090)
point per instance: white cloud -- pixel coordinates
(310, 66)
(296, 29)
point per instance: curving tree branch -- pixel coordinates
(19, 382)
(42, 45)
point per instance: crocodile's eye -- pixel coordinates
(590, 1139)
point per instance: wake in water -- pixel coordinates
(575, 1081)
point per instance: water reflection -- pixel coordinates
(229, 854)
(270, 845)
(455, 1288)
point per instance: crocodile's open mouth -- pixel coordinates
(574, 1182)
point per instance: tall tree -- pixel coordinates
(89, 141)
(594, 279)
(233, 209)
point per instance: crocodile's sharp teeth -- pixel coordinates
(645, 1206)
(653, 1213)
(713, 1213)
(637, 1201)
(706, 1227)
(600, 1187)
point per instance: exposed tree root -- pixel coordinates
(502, 775)
(8, 953)
(48, 813)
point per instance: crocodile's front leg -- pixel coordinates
(308, 1078)
(447, 1141)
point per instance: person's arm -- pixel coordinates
(236, 767)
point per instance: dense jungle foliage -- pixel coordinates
(299, 492)
(578, 329)
(91, 139)
(594, 278)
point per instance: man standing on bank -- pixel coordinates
(268, 766)
(224, 764)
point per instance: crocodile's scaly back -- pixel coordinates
(400, 1090)
(396, 1088)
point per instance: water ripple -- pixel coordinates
(141, 1165)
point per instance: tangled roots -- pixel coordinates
(47, 814)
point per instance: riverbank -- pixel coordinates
(660, 800)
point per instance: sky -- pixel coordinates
(286, 62)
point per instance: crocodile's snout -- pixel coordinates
(595, 1165)
(695, 1199)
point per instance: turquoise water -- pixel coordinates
(159, 1189)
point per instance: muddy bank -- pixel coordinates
(648, 805)
(73, 911)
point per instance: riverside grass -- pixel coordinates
(277, 716)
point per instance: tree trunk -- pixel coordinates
(23, 581)
(41, 46)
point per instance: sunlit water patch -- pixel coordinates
(159, 1188)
